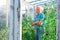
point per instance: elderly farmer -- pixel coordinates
(38, 23)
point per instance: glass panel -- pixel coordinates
(3, 21)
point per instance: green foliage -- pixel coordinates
(51, 17)
(3, 28)
(28, 30)
(4, 34)
(3, 31)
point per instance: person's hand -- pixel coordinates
(40, 23)
(35, 23)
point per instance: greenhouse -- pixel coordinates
(29, 20)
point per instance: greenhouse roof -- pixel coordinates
(34, 0)
(38, 3)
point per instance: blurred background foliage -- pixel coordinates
(3, 28)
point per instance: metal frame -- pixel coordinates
(58, 21)
(13, 20)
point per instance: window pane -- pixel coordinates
(3, 20)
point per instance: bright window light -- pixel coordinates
(2, 2)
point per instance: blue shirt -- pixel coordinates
(39, 17)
